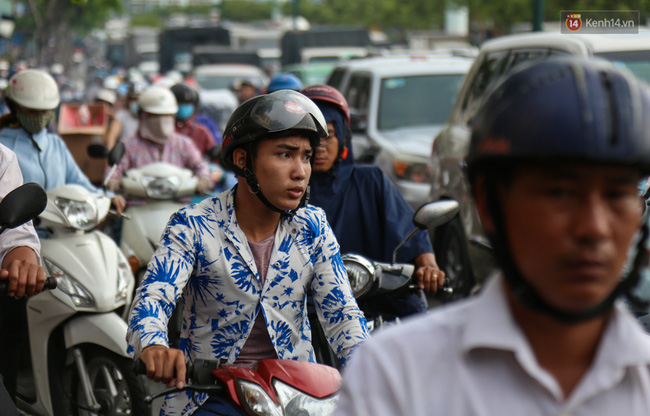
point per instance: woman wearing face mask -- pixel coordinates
(156, 140)
(32, 97)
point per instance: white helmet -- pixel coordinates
(158, 100)
(33, 89)
(107, 95)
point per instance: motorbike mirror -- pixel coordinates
(430, 215)
(435, 214)
(21, 205)
(116, 153)
(214, 153)
(97, 151)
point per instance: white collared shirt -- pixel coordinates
(10, 179)
(472, 359)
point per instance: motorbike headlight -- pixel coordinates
(68, 285)
(80, 214)
(124, 279)
(295, 402)
(360, 274)
(160, 188)
(412, 171)
(256, 401)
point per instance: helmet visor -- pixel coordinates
(285, 110)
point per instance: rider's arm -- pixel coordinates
(167, 273)
(343, 322)
(19, 247)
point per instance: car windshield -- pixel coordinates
(414, 101)
(638, 62)
(216, 82)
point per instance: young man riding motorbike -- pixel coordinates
(366, 211)
(245, 261)
(556, 153)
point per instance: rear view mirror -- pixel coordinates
(434, 214)
(22, 205)
(115, 155)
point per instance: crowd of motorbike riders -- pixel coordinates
(284, 199)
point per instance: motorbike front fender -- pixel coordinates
(105, 329)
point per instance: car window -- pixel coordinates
(336, 78)
(357, 93)
(494, 67)
(638, 62)
(402, 102)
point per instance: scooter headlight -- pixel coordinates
(160, 188)
(79, 214)
(360, 274)
(124, 279)
(295, 402)
(68, 285)
(255, 399)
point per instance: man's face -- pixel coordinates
(327, 151)
(282, 168)
(570, 228)
(246, 92)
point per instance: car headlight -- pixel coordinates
(160, 188)
(80, 214)
(361, 273)
(255, 399)
(410, 171)
(124, 279)
(295, 402)
(68, 285)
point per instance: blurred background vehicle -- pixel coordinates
(465, 247)
(397, 105)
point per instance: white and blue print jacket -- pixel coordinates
(204, 257)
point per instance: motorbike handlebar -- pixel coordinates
(50, 283)
(200, 374)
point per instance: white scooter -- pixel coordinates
(77, 357)
(154, 192)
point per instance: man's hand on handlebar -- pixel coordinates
(166, 365)
(428, 275)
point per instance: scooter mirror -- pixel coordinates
(435, 214)
(21, 205)
(430, 215)
(116, 154)
(214, 153)
(97, 151)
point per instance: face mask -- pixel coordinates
(157, 128)
(185, 111)
(34, 123)
(133, 108)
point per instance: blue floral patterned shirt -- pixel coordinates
(204, 257)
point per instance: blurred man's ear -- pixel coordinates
(480, 200)
(239, 157)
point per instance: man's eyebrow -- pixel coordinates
(286, 146)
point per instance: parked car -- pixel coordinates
(215, 82)
(397, 105)
(463, 250)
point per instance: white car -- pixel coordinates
(215, 83)
(397, 106)
(497, 57)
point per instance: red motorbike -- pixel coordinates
(274, 388)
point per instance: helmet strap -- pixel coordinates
(526, 294)
(254, 187)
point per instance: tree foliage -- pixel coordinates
(54, 24)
